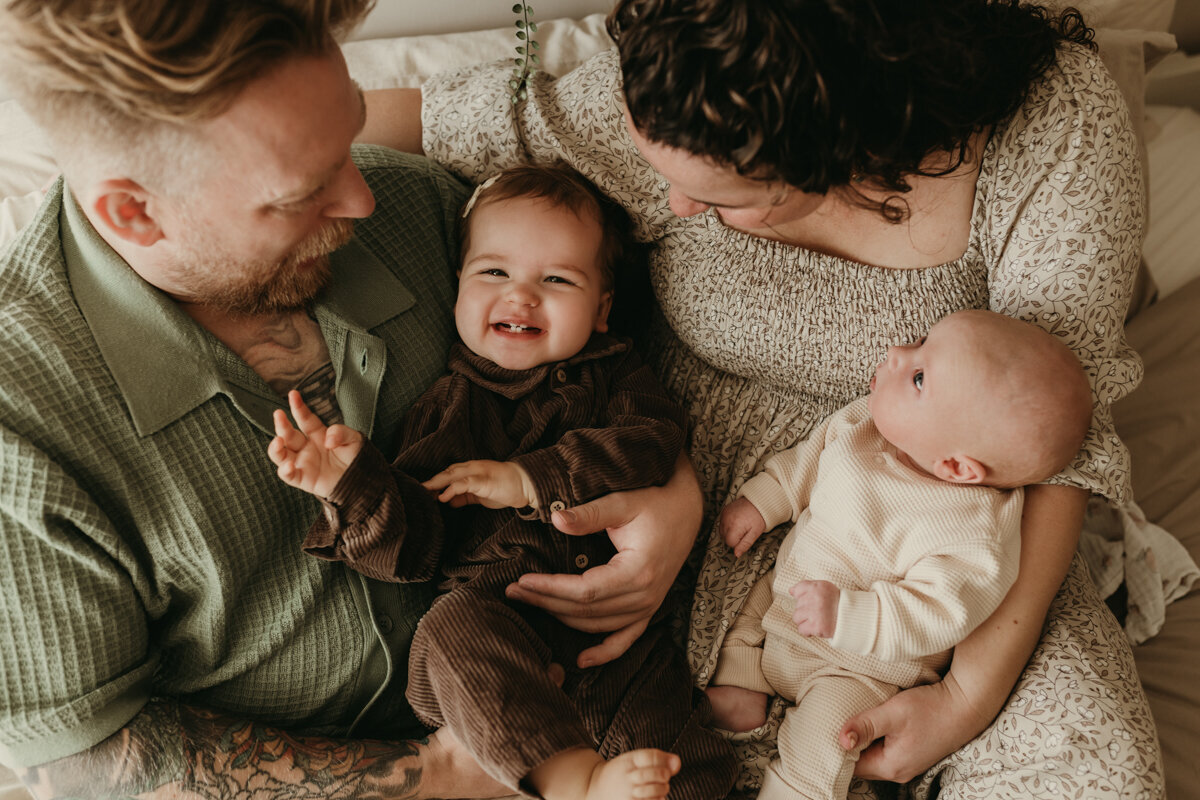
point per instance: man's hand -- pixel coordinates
(653, 530)
(911, 731)
(315, 457)
(494, 484)
(741, 524)
(816, 608)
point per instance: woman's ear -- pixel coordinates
(960, 469)
(122, 206)
(602, 312)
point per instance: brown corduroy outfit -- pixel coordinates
(596, 423)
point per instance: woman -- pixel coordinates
(820, 178)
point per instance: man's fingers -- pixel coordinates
(613, 645)
(608, 511)
(608, 614)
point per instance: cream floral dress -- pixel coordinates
(761, 340)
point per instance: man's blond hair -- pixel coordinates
(111, 78)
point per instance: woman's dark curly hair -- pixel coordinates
(822, 94)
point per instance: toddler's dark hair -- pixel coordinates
(560, 185)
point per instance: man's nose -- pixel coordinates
(350, 197)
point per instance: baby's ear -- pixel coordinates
(602, 312)
(960, 469)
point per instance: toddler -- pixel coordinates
(541, 410)
(907, 511)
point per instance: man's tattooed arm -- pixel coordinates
(179, 752)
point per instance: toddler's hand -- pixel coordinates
(494, 484)
(741, 525)
(315, 457)
(816, 608)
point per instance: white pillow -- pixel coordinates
(408, 61)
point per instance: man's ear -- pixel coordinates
(123, 207)
(602, 312)
(960, 469)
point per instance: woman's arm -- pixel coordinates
(170, 751)
(393, 119)
(918, 727)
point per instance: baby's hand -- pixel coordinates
(816, 608)
(494, 484)
(315, 457)
(741, 525)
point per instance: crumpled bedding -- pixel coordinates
(1126, 552)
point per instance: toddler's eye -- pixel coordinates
(919, 380)
(557, 279)
(496, 271)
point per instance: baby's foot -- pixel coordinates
(636, 775)
(737, 709)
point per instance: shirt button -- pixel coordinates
(560, 375)
(581, 561)
(385, 623)
(557, 505)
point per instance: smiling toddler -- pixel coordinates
(541, 410)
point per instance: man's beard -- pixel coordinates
(283, 286)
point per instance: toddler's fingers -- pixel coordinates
(310, 424)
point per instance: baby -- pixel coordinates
(907, 512)
(541, 410)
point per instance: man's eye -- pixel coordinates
(919, 380)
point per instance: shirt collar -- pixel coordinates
(164, 363)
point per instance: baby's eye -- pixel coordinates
(494, 271)
(919, 380)
(558, 279)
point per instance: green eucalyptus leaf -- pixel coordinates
(533, 59)
(529, 10)
(521, 35)
(517, 8)
(520, 23)
(533, 27)
(521, 49)
(534, 44)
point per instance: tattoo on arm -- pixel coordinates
(184, 753)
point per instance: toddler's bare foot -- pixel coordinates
(636, 775)
(737, 709)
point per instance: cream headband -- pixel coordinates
(480, 189)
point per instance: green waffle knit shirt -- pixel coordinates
(146, 547)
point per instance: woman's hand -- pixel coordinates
(911, 731)
(653, 530)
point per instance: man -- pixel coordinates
(163, 635)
